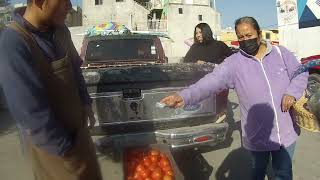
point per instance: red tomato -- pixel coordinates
(167, 177)
(153, 166)
(146, 161)
(169, 172)
(148, 178)
(145, 173)
(162, 155)
(140, 168)
(157, 174)
(164, 163)
(137, 176)
(166, 168)
(154, 152)
(154, 158)
(165, 158)
(158, 169)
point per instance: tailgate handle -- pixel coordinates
(131, 94)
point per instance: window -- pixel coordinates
(98, 2)
(200, 17)
(9, 19)
(267, 35)
(180, 11)
(108, 50)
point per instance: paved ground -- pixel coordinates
(229, 163)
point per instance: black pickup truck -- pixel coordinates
(127, 75)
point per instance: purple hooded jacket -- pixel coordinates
(260, 86)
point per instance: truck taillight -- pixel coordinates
(201, 139)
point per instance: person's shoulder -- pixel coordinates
(13, 47)
(234, 57)
(194, 45)
(63, 32)
(65, 29)
(283, 49)
(11, 40)
(220, 43)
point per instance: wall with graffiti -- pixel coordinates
(299, 26)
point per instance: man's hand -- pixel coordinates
(201, 62)
(174, 101)
(287, 102)
(89, 116)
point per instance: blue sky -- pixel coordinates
(263, 10)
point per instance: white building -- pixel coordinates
(299, 26)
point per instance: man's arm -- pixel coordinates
(27, 98)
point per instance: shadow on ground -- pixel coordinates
(233, 126)
(235, 166)
(193, 165)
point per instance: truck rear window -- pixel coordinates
(121, 49)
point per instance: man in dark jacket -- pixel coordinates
(41, 78)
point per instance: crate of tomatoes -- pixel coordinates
(154, 162)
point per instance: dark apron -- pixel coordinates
(63, 96)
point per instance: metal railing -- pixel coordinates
(151, 25)
(158, 25)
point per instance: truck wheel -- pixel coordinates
(313, 83)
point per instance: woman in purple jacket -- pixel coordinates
(261, 76)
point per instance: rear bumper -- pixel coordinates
(209, 134)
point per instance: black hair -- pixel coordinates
(205, 31)
(249, 20)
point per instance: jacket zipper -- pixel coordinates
(274, 107)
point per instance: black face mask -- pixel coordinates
(250, 46)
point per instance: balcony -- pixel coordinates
(151, 25)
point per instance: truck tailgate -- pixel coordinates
(113, 107)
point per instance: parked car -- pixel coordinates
(314, 78)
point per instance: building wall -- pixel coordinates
(74, 17)
(181, 26)
(228, 36)
(127, 12)
(5, 15)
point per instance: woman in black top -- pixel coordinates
(205, 48)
